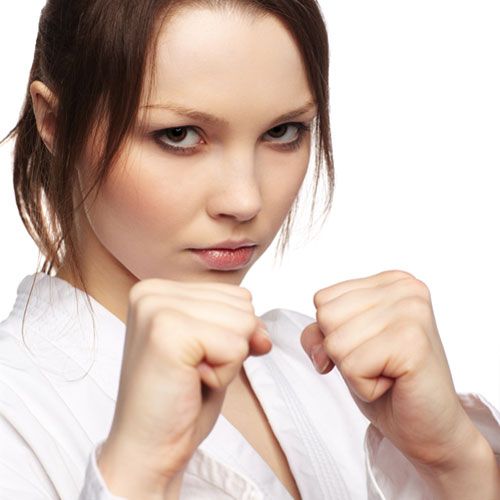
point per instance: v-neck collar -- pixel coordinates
(56, 302)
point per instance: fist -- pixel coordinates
(380, 333)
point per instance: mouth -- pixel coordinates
(225, 259)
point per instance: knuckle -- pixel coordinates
(142, 307)
(245, 293)
(420, 348)
(156, 332)
(347, 367)
(249, 323)
(319, 297)
(323, 316)
(414, 286)
(162, 322)
(148, 286)
(414, 305)
(242, 349)
(248, 306)
(137, 291)
(421, 289)
(334, 345)
(414, 336)
(157, 323)
(163, 330)
(398, 274)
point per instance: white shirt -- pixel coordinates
(57, 404)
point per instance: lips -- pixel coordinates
(229, 244)
(225, 259)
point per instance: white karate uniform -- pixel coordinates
(58, 393)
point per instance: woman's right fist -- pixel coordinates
(180, 338)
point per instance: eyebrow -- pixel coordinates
(211, 119)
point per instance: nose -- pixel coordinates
(235, 189)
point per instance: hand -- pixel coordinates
(381, 334)
(185, 342)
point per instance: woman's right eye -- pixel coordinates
(176, 135)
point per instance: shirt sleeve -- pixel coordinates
(94, 487)
(391, 476)
(22, 476)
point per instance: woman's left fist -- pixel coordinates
(381, 333)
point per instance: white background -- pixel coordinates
(416, 126)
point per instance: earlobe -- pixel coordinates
(45, 108)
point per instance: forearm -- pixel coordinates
(475, 475)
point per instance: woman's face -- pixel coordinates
(234, 176)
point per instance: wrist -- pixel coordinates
(471, 473)
(128, 475)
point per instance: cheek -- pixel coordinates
(135, 210)
(283, 184)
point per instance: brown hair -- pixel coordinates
(93, 55)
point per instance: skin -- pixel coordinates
(237, 185)
(157, 204)
(380, 333)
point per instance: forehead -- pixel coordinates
(225, 62)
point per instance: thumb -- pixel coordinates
(310, 337)
(311, 340)
(260, 342)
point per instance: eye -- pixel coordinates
(283, 132)
(290, 145)
(177, 135)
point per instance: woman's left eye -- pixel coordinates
(177, 135)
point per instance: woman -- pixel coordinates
(161, 147)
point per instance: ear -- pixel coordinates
(45, 109)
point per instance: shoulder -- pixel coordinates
(42, 451)
(47, 412)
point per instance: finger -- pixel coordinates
(260, 343)
(383, 278)
(208, 293)
(363, 371)
(212, 297)
(340, 342)
(233, 290)
(370, 370)
(342, 309)
(343, 339)
(347, 311)
(162, 285)
(222, 356)
(224, 315)
(206, 296)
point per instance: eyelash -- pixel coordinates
(302, 130)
